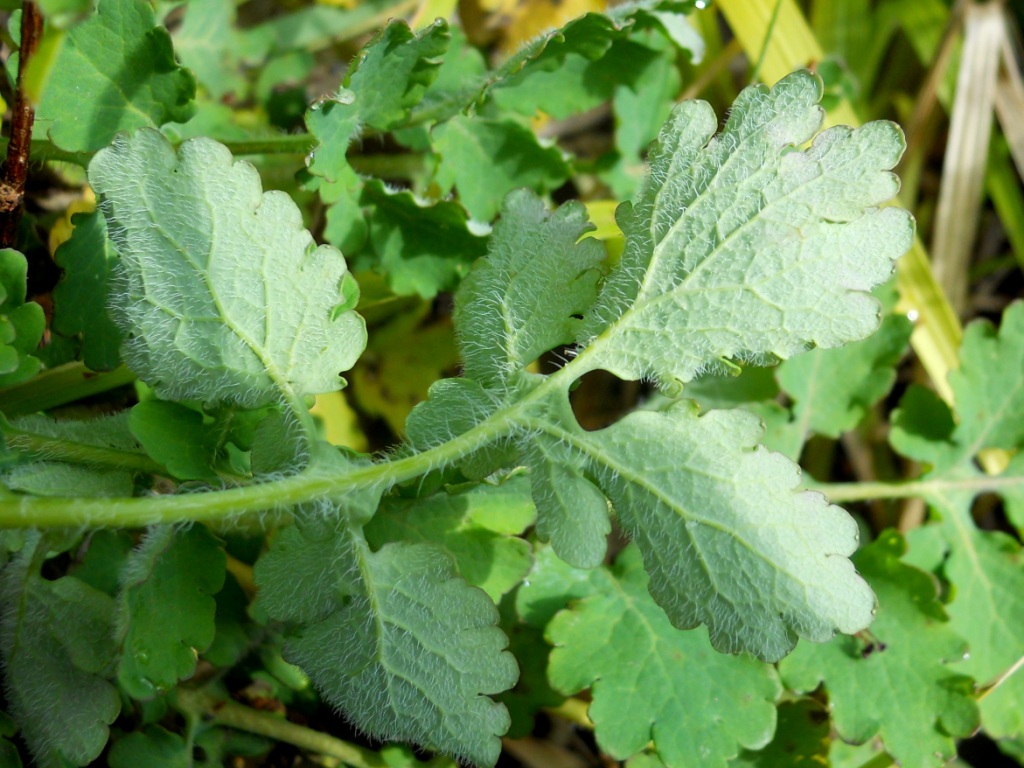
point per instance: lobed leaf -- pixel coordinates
(55, 638)
(984, 566)
(900, 684)
(167, 607)
(488, 158)
(726, 536)
(394, 70)
(649, 681)
(477, 528)
(738, 248)
(80, 298)
(394, 638)
(115, 71)
(222, 295)
(527, 295)
(422, 247)
(21, 322)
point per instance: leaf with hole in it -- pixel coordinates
(741, 247)
(167, 607)
(221, 293)
(651, 682)
(395, 638)
(115, 71)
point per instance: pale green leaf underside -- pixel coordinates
(394, 638)
(524, 298)
(222, 294)
(728, 538)
(649, 681)
(738, 248)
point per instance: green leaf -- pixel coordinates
(650, 681)
(726, 535)
(477, 528)
(21, 323)
(80, 298)
(394, 638)
(394, 70)
(641, 106)
(115, 71)
(223, 296)
(801, 737)
(898, 683)
(207, 44)
(177, 437)
(834, 388)
(576, 83)
(167, 607)
(983, 566)
(334, 123)
(988, 385)
(104, 555)
(422, 247)
(738, 248)
(55, 637)
(153, 747)
(527, 296)
(486, 159)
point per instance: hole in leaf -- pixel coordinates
(600, 398)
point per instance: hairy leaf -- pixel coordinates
(394, 638)
(115, 71)
(55, 637)
(650, 681)
(898, 683)
(737, 248)
(222, 296)
(726, 535)
(527, 295)
(167, 607)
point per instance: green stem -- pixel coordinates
(234, 715)
(21, 511)
(848, 492)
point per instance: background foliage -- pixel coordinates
(322, 608)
